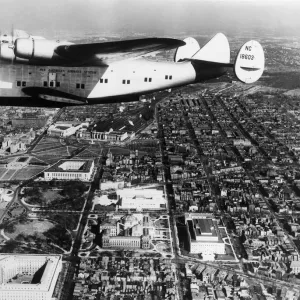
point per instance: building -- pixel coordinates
(110, 136)
(111, 226)
(242, 142)
(71, 170)
(126, 242)
(121, 241)
(6, 195)
(295, 266)
(83, 133)
(141, 199)
(204, 236)
(130, 231)
(29, 122)
(28, 277)
(111, 185)
(17, 142)
(64, 129)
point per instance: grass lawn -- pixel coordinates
(30, 227)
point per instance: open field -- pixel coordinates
(62, 150)
(2, 171)
(8, 175)
(87, 154)
(35, 160)
(27, 173)
(50, 160)
(48, 139)
(44, 147)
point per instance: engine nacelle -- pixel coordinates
(7, 54)
(35, 48)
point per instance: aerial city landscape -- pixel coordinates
(192, 192)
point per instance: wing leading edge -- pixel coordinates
(108, 52)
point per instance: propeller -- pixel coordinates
(0, 44)
(12, 44)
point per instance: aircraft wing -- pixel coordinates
(104, 53)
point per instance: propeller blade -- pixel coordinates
(12, 44)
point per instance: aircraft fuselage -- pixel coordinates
(30, 85)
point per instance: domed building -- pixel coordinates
(131, 233)
(129, 221)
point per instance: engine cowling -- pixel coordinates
(7, 54)
(35, 48)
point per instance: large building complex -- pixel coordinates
(204, 235)
(28, 277)
(64, 129)
(30, 121)
(141, 199)
(129, 231)
(71, 170)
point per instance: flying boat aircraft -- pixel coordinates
(35, 71)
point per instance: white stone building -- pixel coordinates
(28, 277)
(64, 129)
(295, 266)
(71, 170)
(141, 199)
(204, 236)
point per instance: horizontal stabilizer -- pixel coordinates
(250, 62)
(188, 50)
(210, 63)
(216, 50)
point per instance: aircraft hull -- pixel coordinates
(48, 86)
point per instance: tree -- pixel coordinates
(23, 218)
(10, 228)
(10, 246)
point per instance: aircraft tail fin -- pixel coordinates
(217, 50)
(250, 62)
(187, 51)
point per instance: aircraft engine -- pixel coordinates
(35, 48)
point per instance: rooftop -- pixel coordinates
(65, 165)
(204, 226)
(13, 266)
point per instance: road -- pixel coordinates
(38, 139)
(67, 293)
(170, 199)
(9, 205)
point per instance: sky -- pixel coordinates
(155, 17)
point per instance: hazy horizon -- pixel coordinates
(156, 17)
